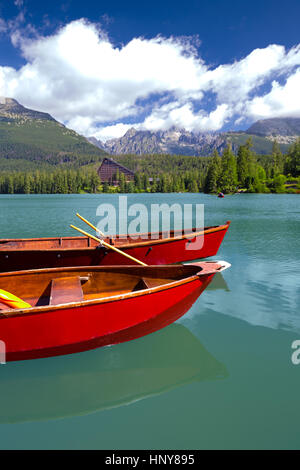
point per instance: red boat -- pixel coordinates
(35, 253)
(70, 310)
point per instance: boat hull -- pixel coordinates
(80, 251)
(74, 328)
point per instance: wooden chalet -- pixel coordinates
(109, 169)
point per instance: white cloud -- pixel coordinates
(293, 57)
(114, 131)
(85, 126)
(78, 71)
(235, 81)
(82, 79)
(281, 101)
(183, 116)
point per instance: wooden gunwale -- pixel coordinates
(46, 308)
(152, 241)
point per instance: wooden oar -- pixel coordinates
(91, 225)
(102, 242)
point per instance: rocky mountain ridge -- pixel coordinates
(172, 141)
(11, 109)
(31, 136)
(285, 127)
(24, 130)
(182, 142)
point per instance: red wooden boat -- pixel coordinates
(75, 309)
(35, 253)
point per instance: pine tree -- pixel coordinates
(211, 184)
(228, 179)
(193, 186)
(122, 186)
(138, 182)
(10, 185)
(293, 159)
(277, 159)
(242, 165)
(94, 181)
(105, 187)
(27, 184)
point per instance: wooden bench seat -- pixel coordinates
(66, 289)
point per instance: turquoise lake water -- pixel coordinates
(221, 377)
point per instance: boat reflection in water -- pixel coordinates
(104, 378)
(218, 283)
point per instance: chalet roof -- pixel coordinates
(116, 164)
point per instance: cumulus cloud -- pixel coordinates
(183, 116)
(80, 77)
(233, 82)
(114, 131)
(281, 101)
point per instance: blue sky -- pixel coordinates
(203, 65)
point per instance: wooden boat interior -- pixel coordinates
(60, 285)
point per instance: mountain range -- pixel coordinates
(283, 129)
(182, 142)
(10, 109)
(31, 138)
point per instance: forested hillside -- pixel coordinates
(229, 173)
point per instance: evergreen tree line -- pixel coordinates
(76, 181)
(227, 173)
(55, 182)
(175, 182)
(251, 173)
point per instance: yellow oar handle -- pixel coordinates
(91, 225)
(12, 300)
